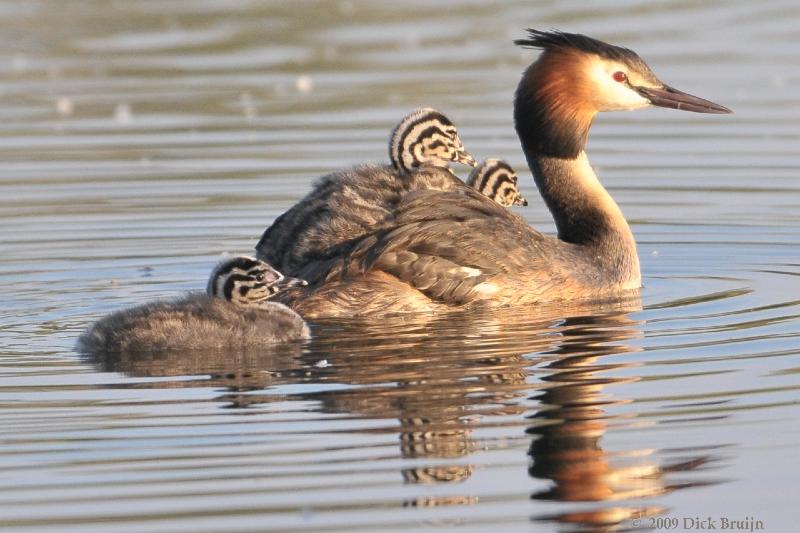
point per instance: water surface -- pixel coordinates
(139, 140)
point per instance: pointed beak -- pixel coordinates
(666, 96)
(521, 201)
(465, 159)
(287, 283)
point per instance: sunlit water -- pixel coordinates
(139, 140)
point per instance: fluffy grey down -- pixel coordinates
(193, 322)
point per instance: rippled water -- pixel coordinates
(139, 140)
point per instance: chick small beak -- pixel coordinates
(667, 96)
(288, 282)
(521, 201)
(465, 159)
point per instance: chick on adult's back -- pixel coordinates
(346, 205)
(495, 179)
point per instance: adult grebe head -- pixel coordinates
(247, 281)
(575, 78)
(426, 137)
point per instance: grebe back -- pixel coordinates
(346, 205)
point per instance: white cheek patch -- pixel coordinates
(610, 94)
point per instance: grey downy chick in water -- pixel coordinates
(235, 312)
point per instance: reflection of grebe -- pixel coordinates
(566, 448)
(436, 249)
(234, 312)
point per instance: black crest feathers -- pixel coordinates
(548, 40)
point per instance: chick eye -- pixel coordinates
(620, 76)
(259, 277)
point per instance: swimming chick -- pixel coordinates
(235, 312)
(247, 282)
(496, 179)
(431, 250)
(347, 205)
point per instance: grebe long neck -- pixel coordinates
(553, 129)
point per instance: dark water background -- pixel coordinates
(139, 140)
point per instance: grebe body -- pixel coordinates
(435, 249)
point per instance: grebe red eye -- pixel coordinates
(620, 76)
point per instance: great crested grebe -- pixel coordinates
(346, 205)
(438, 249)
(496, 179)
(234, 312)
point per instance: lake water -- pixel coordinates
(140, 140)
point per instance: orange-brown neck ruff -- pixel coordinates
(553, 112)
(553, 109)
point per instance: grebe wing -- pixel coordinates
(340, 209)
(341, 206)
(465, 227)
(449, 246)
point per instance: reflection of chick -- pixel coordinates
(235, 312)
(444, 438)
